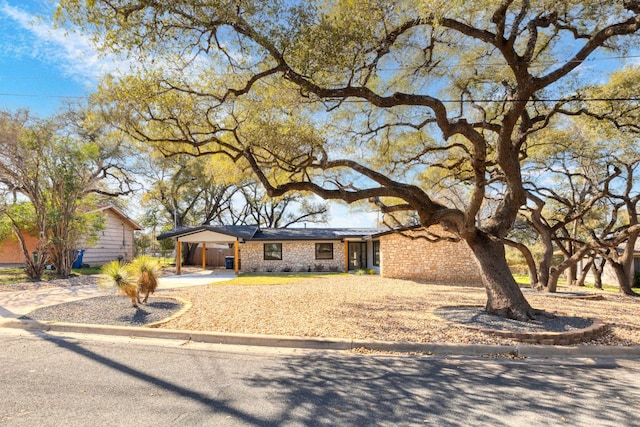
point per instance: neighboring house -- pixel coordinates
(608, 274)
(114, 242)
(404, 255)
(11, 250)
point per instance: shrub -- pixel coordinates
(318, 267)
(148, 271)
(120, 276)
(140, 276)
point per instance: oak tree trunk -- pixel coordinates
(504, 297)
(624, 279)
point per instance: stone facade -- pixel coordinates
(405, 257)
(296, 256)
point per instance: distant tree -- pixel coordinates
(142, 243)
(280, 212)
(62, 167)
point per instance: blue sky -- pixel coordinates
(41, 66)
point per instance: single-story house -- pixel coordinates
(407, 254)
(115, 241)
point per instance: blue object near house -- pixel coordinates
(78, 262)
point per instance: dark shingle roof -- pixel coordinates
(252, 232)
(312, 233)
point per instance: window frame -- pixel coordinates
(376, 259)
(317, 246)
(273, 250)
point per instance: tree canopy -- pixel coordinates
(63, 167)
(386, 101)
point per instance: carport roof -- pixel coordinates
(252, 232)
(240, 231)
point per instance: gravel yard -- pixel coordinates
(360, 307)
(371, 307)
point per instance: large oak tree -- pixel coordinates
(367, 100)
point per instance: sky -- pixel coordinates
(41, 67)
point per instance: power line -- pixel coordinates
(32, 95)
(445, 101)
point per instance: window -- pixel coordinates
(376, 252)
(272, 251)
(324, 250)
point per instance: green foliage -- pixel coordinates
(366, 271)
(139, 276)
(259, 279)
(61, 166)
(117, 276)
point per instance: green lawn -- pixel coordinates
(253, 279)
(523, 279)
(17, 275)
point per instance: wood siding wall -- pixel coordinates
(215, 256)
(115, 241)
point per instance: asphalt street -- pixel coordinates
(50, 380)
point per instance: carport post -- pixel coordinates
(178, 257)
(236, 260)
(204, 255)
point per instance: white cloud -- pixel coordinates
(342, 216)
(68, 50)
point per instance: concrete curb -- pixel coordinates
(538, 351)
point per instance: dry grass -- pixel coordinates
(371, 307)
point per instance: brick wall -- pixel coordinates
(296, 256)
(11, 250)
(409, 258)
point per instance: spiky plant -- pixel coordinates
(120, 276)
(148, 271)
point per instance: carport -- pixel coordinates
(210, 235)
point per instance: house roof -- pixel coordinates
(313, 233)
(120, 214)
(253, 232)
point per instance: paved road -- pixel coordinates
(77, 381)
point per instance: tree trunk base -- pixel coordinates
(504, 297)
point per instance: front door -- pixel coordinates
(357, 255)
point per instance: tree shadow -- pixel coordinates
(211, 404)
(330, 388)
(371, 390)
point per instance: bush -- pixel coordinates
(318, 267)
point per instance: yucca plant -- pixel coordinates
(148, 271)
(120, 276)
